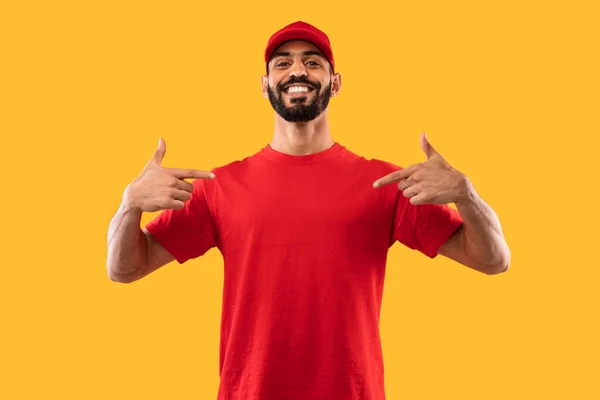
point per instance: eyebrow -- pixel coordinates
(304, 53)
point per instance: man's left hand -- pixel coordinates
(431, 182)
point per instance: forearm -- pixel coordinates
(127, 246)
(483, 238)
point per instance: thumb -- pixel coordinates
(159, 153)
(427, 147)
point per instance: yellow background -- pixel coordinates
(507, 91)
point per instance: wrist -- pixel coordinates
(128, 204)
(466, 192)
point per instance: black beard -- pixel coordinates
(300, 112)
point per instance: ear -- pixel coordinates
(264, 82)
(336, 84)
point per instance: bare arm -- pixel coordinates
(132, 252)
(478, 243)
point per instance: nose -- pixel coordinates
(298, 69)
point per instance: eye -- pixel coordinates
(313, 63)
(282, 64)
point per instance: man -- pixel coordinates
(304, 227)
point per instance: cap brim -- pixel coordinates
(298, 34)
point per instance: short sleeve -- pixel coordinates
(424, 227)
(187, 233)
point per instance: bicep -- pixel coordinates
(156, 255)
(454, 249)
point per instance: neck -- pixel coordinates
(302, 138)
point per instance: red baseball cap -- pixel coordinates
(300, 31)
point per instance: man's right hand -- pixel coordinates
(159, 188)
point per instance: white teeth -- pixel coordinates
(297, 89)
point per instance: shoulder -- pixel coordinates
(374, 165)
(234, 170)
(238, 166)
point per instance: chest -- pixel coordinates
(302, 209)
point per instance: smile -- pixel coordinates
(298, 89)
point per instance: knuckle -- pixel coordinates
(173, 182)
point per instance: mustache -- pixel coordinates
(293, 80)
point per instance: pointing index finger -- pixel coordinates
(395, 176)
(191, 173)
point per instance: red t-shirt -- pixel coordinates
(304, 241)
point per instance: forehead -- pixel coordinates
(296, 46)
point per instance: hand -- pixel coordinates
(159, 188)
(431, 182)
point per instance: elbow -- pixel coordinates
(116, 279)
(497, 269)
(120, 278)
(500, 267)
